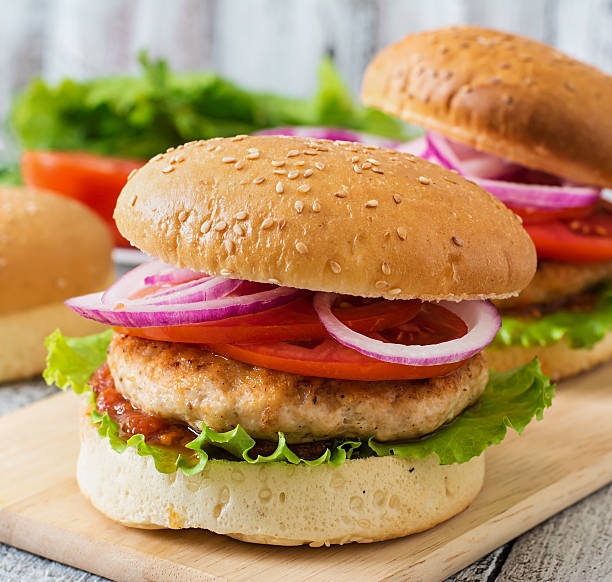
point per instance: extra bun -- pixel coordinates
(363, 500)
(326, 216)
(502, 94)
(51, 248)
(558, 361)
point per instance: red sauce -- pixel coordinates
(132, 420)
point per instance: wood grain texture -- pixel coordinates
(528, 479)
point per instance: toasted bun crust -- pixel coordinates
(502, 94)
(22, 341)
(335, 226)
(558, 361)
(51, 248)
(364, 500)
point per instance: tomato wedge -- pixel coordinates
(294, 321)
(330, 359)
(93, 179)
(581, 240)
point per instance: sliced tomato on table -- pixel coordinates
(330, 359)
(296, 320)
(580, 240)
(93, 179)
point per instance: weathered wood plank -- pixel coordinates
(573, 546)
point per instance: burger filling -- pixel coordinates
(202, 367)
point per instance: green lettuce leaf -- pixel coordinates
(581, 330)
(511, 400)
(143, 115)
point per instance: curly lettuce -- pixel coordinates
(511, 400)
(580, 329)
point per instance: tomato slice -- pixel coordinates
(296, 320)
(330, 359)
(93, 179)
(533, 215)
(581, 240)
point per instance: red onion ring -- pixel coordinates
(486, 169)
(174, 276)
(481, 317)
(133, 280)
(206, 289)
(133, 314)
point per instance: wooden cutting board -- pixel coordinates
(529, 478)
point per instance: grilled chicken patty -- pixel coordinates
(554, 281)
(187, 383)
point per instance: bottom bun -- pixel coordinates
(363, 500)
(558, 361)
(22, 341)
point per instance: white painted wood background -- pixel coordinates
(264, 44)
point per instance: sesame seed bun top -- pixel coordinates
(326, 216)
(502, 94)
(51, 248)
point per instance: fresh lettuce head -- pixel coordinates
(143, 115)
(511, 400)
(580, 329)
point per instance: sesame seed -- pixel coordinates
(259, 180)
(278, 163)
(386, 268)
(280, 172)
(381, 284)
(243, 182)
(354, 159)
(211, 147)
(310, 152)
(228, 160)
(267, 223)
(220, 226)
(178, 159)
(293, 153)
(424, 180)
(340, 194)
(377, 170)
(373, 161)
(319, 166)
(169, 150)
(157, 158)
(395, 291)
(273, 281)
(300, 163)
(308, 173)
(239, 165)
(131, 174)
(279, 187)
(299, 206)
(293, 174)
(133, 201)
(316, 207)
(238, 138)
(371, 203)
(357, 169)
(168, 169)
(180, 147)
(205, 226)
(457, 241)
(370, 147)
(335, 267)
(252, 155)
(229, 246)
(401, 232)
(301, 248)
(366, 166)
(238, 229)
(182, 216)
(242, 215)
(226, 272)
(397, 198)
(304, 188)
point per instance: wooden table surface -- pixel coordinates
(575, 545)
